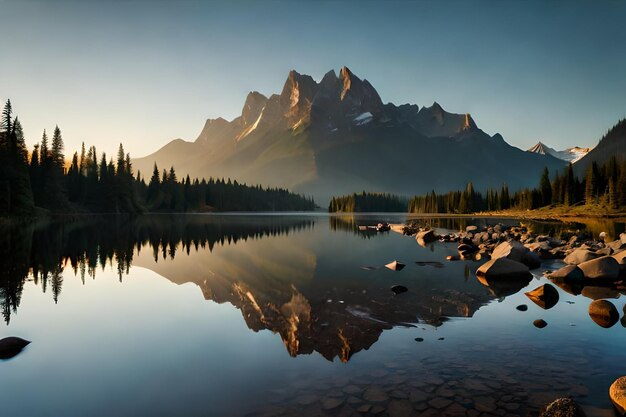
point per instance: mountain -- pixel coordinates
(569, 155)
(337, 137)
(278, 284)
(612, 144)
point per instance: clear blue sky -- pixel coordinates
(145, 72)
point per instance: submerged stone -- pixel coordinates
(562, 407)
(399, 289)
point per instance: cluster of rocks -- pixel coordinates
(514, 251)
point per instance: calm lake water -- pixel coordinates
(246, 315)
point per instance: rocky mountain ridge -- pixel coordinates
(337, 137)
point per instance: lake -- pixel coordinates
(281, 315)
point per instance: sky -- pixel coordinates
(146, 72)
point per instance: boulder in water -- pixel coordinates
(545, 296)
(425, 236)
(604, 268)
(569, 273)
(617, 392)
(11, 346)
(515, 251)
(503, 268)
(603, 313)
(579, 256)
(562, 407)
(395, 266)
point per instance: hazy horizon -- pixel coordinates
(145, 73)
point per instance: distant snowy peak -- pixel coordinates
(570, 154)
(543, 149)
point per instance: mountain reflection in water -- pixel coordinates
(309, 288)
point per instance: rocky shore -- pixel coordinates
(595, 265)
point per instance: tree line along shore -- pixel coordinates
(602, 192)
(40, 182)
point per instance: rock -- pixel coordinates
(399, 289)
(531, 259)
(517, 252)
(375, 395)
(467, 248)
(579, 256)
(395, 266)
(332, 403)
(510, 249)
(439, 403)
(620, 256)
(352, 389)
(11, 346)
(419, 339)
(562, 407)
(569, 273)
(452, 258)
(617, 392)
(616, 245)
(605, 268)
(545, 296)
(400, 408)
(605, 252)
(522, 307)
(503, 268)
(471, 229)
(622, 238)
(425, 236)
(540, 323)
(603, 313)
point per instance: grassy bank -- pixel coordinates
(560, 212)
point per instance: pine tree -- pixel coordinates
(545, 188)
(121, 161)
(621, 187)
(83, 161)
(56, 151)
(590, 180)
(7, 120)
(570, 186)
(613, 197)
(505, 200)
(44, 152)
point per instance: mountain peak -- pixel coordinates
(569, 155)
(345, 72)
(253, 106)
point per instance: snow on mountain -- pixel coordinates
(569, 155)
